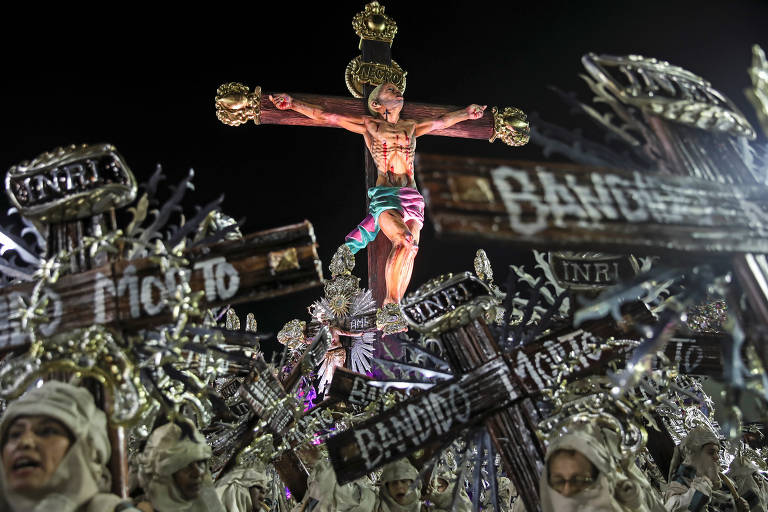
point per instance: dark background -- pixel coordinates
(145, 81)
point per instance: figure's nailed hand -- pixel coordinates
(476, 111)
(281, 101)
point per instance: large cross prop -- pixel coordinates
(237, 104)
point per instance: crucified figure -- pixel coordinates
(395, 207)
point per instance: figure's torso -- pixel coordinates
(392, 146)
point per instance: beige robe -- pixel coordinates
(357, 496)
(166, 452)
(617, 489)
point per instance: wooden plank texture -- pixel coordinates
(130, 294)
(441, 413)
(472, 129)
(569, 206)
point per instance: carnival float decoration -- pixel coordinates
(649, 278)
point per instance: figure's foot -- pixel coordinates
(389, 319)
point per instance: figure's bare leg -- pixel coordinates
(415, 229)
(405, 245)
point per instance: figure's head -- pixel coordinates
(440, 484)
(174, 464)
(712, 452)
(398, 489)
(398, 477)
(701, 440)
(570, 472)
(386, 97)
(50, 437)
(701, 449)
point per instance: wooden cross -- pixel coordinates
(128, 295)
(236, 104)
(534, 367)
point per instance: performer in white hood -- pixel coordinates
(55, 451)
(173, 470)
(695, 481)
(580, 474)
(441, 494)
(243, 490)
(395, 494)
(694, 471)
(750, 482)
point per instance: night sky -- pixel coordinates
(145, 82)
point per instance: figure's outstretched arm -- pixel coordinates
(447, 120)
(286, 102)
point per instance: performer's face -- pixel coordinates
(570, 473)
(398, 489)
(32, 450)
(189, 479)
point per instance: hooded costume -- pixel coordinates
(167, 451)
(442, 500)
(326, 495)
(751, 483)
(234, 488)
(399, 470)
(692, 474)
(616, 489)
(82, 480)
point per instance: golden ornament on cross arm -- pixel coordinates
(293, 333)
(282, 261)
(235, 104)
(511, 126)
